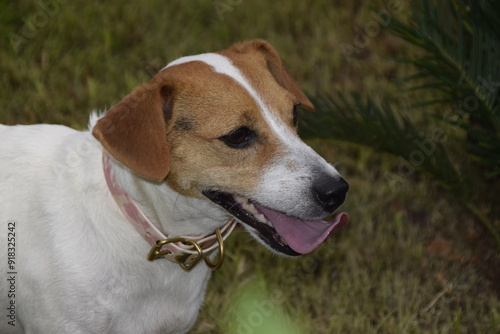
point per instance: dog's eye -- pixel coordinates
(295, 114)
(239, 138)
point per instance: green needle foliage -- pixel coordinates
(361, 121)
(462, 40)
(461, 64)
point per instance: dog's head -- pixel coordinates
(223, 127)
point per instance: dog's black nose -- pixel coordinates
(330, 191)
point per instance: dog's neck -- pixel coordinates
(170, 212)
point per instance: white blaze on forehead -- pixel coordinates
(223, 65)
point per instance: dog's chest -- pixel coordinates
(165, 300)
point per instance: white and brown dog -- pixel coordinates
(210, 139)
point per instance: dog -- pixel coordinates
(117, 229)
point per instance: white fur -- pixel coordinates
(80, 265)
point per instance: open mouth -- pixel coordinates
(285, 234)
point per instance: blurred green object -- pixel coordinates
(258, 312)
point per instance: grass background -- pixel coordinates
(402, 265)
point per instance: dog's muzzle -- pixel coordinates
(284, 233)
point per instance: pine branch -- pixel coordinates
(463, 62)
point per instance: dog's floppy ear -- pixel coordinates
(280, 72)
(134, 131)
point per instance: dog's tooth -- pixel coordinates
(248, 207)
(240, 200)
(253, 210)
(260, 217)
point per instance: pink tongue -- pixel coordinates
(303, 236)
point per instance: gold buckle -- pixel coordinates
(156, 253)
(182, 260)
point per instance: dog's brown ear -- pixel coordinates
(134, 131)
(280, 72)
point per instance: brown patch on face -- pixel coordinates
(185, 124)
(208, 106)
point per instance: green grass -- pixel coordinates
(400, 266)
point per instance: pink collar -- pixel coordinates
(184, 250)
